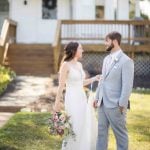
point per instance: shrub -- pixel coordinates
(6, 76)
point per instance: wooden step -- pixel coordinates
(31, 59)
(12, 109)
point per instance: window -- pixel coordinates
(49, 9)
(4, 6)
(99, 12)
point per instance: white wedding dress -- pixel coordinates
(82, 113)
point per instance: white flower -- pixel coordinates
(116, 59)
(67, 125)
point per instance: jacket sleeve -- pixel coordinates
(97, 91)
(100, 81)
(127, 82)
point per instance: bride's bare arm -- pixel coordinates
(62, 80)
(91, 80)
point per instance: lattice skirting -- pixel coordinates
(92, 63)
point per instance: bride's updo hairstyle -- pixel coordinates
(70, 51)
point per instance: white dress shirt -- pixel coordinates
(112, 56)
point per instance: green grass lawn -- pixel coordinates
(28, 131)
(138, 120)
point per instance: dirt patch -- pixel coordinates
(45, 102)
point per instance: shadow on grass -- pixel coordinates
(7, 148)
(141, 91)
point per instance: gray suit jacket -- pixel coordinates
(116, 86)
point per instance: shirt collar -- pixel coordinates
(115, 54)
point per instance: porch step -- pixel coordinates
(31, 59)
(12, 109)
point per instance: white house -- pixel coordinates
(37, 19)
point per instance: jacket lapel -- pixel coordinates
(113, 64)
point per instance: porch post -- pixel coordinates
(123, 10)
(137, 8)
(109, 10)
(83, 9)
(64, 11)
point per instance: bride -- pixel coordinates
(72, 77)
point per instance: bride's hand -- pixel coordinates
(98, 77)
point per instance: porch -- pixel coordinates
(28, 58)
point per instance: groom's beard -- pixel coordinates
(108, 49)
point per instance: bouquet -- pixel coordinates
(59, 124)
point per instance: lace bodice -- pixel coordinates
(75, 77)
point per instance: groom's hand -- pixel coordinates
(121, 108)
(95, 103)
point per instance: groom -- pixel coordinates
(113, 93)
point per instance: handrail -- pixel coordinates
(8, 35)
(136, 22)
(57, 46)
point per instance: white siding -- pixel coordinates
(31, 27)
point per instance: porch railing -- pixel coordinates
(91, 33)
(94, 31)
(8, 35)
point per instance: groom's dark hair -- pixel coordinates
(114, 36)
